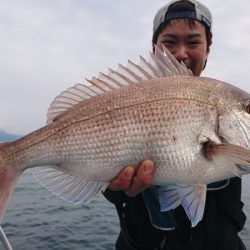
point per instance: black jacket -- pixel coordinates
(223, 219)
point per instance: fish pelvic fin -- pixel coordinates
(8, 178)
(68, 187)
(160, 64)
(236, 157)
(192, 198)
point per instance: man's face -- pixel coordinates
(187, 43)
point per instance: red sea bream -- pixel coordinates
(195, 129)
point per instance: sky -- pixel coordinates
(48, 46)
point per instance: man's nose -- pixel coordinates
(181, 53)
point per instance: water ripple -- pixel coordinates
(36, 219)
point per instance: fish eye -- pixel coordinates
(247, 107)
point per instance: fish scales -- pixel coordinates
(115, 129)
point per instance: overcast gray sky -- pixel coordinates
(47, 46)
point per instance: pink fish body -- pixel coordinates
(196, 130)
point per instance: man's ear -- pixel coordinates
(208, 49)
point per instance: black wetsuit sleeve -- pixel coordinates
(116, 197)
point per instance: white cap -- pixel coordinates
(197, 11)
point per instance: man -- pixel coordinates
(184, 27)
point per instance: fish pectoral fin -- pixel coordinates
(237, 157)
(66, 186)
(192, 199)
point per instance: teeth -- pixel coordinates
(187, 65)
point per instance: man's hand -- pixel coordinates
(134, 181)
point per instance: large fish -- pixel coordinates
(195, 129)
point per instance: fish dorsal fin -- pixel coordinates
(167, 65)
(68, 187)
(69, 98)
(161, 64)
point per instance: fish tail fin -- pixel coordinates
(8, 178)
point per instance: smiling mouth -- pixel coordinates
(187, 65)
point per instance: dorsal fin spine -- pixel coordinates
(86, 90)
(145, 73)
(63, 104)
(101, 84)
(109, 86)
(74, 94)
(64, 99)
(149, 66)
(124, 78)
(110, 80)
(166, 61)
(94, 84)
(158, 64)
(130, 73)
(114, 80)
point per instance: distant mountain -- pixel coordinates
(4, 136)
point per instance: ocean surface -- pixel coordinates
(36, 219)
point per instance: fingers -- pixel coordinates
(142, 179)
(123, 180)
(133, 181)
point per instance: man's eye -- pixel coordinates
(167, 43)
(194, 42)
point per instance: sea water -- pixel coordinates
(36, 219)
